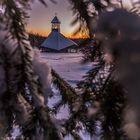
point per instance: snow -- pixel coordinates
(67, 65)
(70, 68)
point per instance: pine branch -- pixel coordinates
(112, 105)
(85, 16)
(68, 94)
(15, 16)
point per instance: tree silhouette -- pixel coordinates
(98, 101)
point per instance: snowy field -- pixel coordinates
(67, 65)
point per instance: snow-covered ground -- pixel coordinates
(68, 65)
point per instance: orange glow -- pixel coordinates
(46, 33)
(37, 31)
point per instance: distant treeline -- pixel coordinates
(36, 39)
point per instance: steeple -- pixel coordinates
(56, 24)
(57, 42)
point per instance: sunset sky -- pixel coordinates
(40, 17)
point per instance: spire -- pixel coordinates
(56, 23)
(55, 19)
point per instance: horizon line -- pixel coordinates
(68, 36)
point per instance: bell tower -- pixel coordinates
(56, 24)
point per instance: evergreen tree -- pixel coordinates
(97, 102)
(22, 98)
